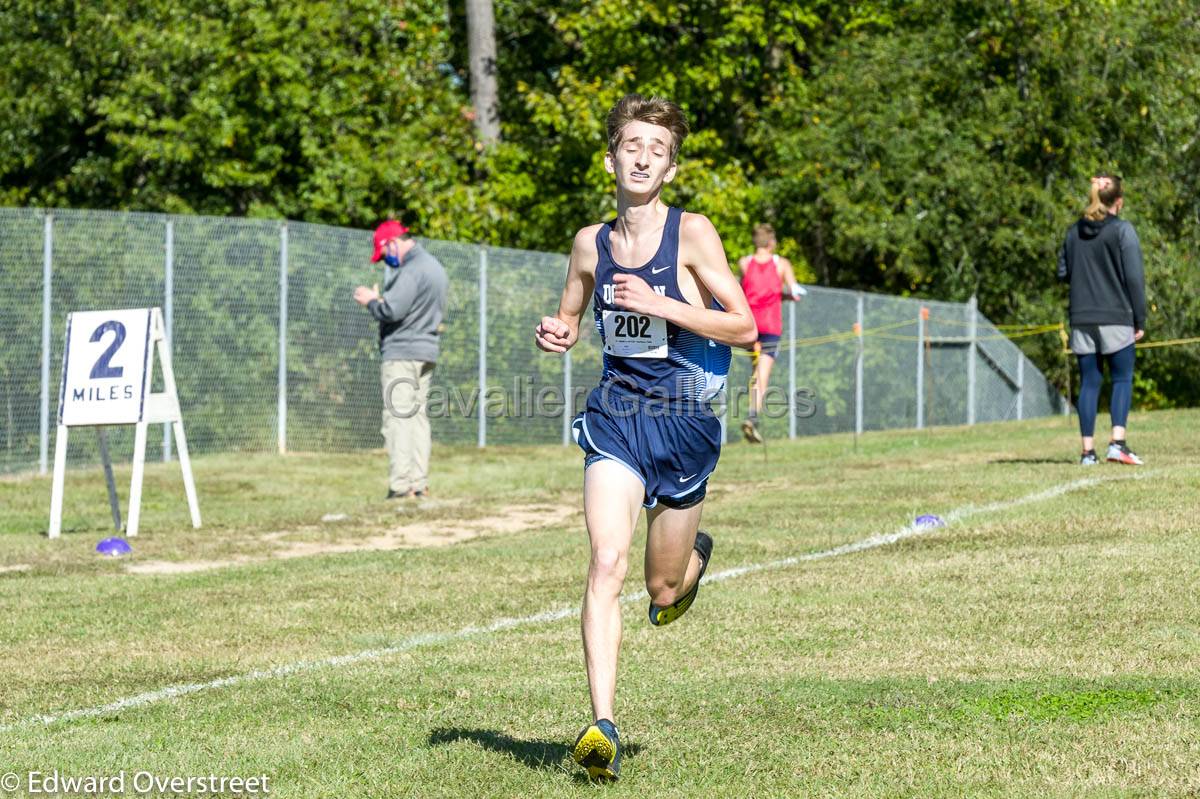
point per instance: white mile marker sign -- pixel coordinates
(107, 369)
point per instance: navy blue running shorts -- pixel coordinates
(768, 344)
(671, 447)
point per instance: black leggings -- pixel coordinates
(1120, 369)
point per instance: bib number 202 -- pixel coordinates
(633, 335)
(632, 326)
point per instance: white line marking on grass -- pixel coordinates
(428, 639)
(911, 530)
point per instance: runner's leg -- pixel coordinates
(672, 565)
(612, 500)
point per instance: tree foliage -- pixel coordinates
(925, 148)
(337, 111)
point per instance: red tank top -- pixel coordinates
(760, 281)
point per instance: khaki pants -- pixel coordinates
(406, 423)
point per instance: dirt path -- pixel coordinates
(433, 533)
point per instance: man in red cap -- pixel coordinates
(409, 311)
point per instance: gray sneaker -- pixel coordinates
(1119, 453)
(1089, 458)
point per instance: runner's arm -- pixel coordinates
(699, 248)
(787, 278)
(559, 333)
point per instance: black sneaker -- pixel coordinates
(598, 749)
(1089, 458)
(663, 616)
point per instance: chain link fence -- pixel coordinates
(272, 354)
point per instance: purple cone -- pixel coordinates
(114, 547)
(929, 520)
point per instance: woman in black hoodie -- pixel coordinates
(1102, 260)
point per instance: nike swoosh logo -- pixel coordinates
(689, 477)
(655, 272)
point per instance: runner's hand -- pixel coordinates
(1137, 336)
(634, 294)
(553, 334)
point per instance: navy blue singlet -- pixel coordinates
(685, 366)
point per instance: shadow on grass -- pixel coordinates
(548, 755)
(1058, 461)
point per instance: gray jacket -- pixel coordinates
(1102, 260)
(411, 307)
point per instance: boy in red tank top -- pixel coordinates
(766, 279)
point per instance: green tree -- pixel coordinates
(723, 62)
(935, 149)
(946, 156)
(338, 111)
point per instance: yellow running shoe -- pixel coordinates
(598, 749)
(662, 616)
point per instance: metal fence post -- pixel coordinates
(791, 369)
(858, 373)
(47, 256)
(482, 442)
(921, 368)
(281, 412)
(568, 396)
(972, 306)
(169, 316)
(1020, 387)
(729, 400)
(568, 404)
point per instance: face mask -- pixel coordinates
(391, 260)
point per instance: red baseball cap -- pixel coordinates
(387, 231)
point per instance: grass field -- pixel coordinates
(1045, 643)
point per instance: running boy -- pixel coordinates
(766, 279)
(667, 309)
